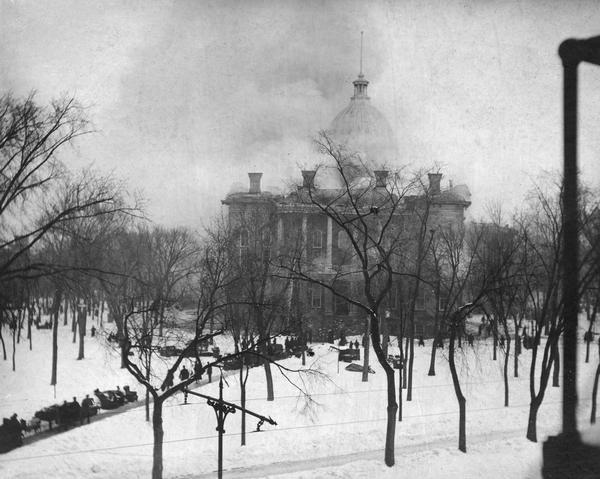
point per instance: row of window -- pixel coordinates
(342, 307)
(316, 239)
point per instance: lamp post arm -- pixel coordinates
(235, 406)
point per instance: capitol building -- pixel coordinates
(272, 222)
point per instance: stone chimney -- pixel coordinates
(254, 182)
(434, 183)
(308, 179)
(380, 178)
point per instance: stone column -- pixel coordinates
(329, 253)
(280, 240)
(305, 236)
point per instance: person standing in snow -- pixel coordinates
(184, 374)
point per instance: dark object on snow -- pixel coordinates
(470, 338)
(88, 408)
(184, 374)
(130, 396)
(10, 434)
(69, 414)
(108, 399)
(46, 325)
(357, 368)
(48, 414)
(396, 361)
(349, 355)
(421, 341)
(93, 331)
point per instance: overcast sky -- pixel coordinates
(187, 97)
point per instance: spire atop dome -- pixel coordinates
(360, 84)
(360, 75)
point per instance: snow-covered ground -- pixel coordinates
(340, 435)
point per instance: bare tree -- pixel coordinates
(366, 211)
(542, 230)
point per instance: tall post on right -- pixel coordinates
(565, 455)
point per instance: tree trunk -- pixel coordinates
(2, 340)
(157, 427)
(506, 359)
(495, 345)
(74, 325)
(462, 402)
(19, 324)
(29, 323)
(82, 326)
(405, 364)
(534, 406)
(432, 359)
(517, 352)
(269, 377)
(392, 405)
(57, 299)
(411, 359)
(65, 313)
(400, 380)
(243, 401)
(556, 370)
(365, 373)
(595, 395)
(14, 336)
(587, 351)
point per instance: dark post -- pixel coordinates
(570, 257)
(222, 409)
(565, 456)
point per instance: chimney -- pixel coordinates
(308, 178)
(380, 178)
(254, 182)
(434, 183)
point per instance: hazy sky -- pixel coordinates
(187, 97)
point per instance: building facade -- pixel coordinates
(274, 223)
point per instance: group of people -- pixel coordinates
(184, 374)
(71, 412)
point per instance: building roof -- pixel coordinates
(363, 129)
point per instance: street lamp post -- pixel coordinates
(565, 456)
(222, 409)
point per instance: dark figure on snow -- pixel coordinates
(198, 370)
(63, 415)
(421, 341)
(184, 374)
(93, 331)
(287, 344)
(440, 342)
(501, 341)
(351, 344)
(470, 338)
(86, 405)
(330, 337)
(588, 337)
(209, 372)
(356, 344)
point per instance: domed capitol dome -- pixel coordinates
(363, 129)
